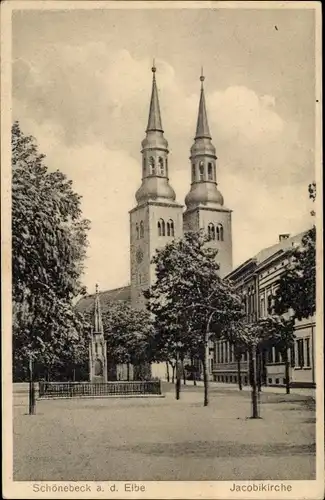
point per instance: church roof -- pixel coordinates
(202, 126)
(154, 120)
(86, 304)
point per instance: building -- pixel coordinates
(158, 218)
(257, 279)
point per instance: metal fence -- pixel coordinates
(48, 390)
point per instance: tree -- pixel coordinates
(49, 240)
(191, 299)
(297, 285)
(256, 336)
(128, 334)
(282, 333)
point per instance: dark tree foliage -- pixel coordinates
(297, 286)
(191, 304)
(128, 334)
(49, 239)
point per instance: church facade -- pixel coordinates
(158, 217)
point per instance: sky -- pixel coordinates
(82, 83)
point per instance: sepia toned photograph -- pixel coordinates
(162, 197)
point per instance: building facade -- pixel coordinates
(257, 279)
(158, 218)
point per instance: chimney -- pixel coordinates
(283, 237)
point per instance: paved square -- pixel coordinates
(165, 439)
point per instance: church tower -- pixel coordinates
(157, 218)
(204, 203)
(97, 346)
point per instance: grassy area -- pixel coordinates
(165, 439)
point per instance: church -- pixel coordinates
(158, 217)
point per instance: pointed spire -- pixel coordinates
(98, 322)
(202, 126)
(154, 121)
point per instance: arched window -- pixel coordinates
(218, 233)
(220, 227)
(137, 231)
(170, 228)
(172, 231)
(161, 166)
(151, 165)
(144, 166)
(201, 168)
(211, 231)
(163, 232)
(193, 172)
(141, 229)
(210, 172)
(166, 163)
(161, 227)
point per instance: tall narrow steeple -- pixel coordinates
(202, 126)
(97, 319)
(204, 203)
(203, 158)
(155, 185)
(154, 120)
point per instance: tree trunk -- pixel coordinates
(193, 371)
(173, 374)
(74, 374)
(287, 370)
(240, 385)
(178, 378)
(205, 373)
(128, 371)
(32, 405)
(167, 370)
(183, 372)
(252, 361)
(259, 371)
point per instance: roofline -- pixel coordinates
(241, 267)
(272, 258)
(278, 253)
